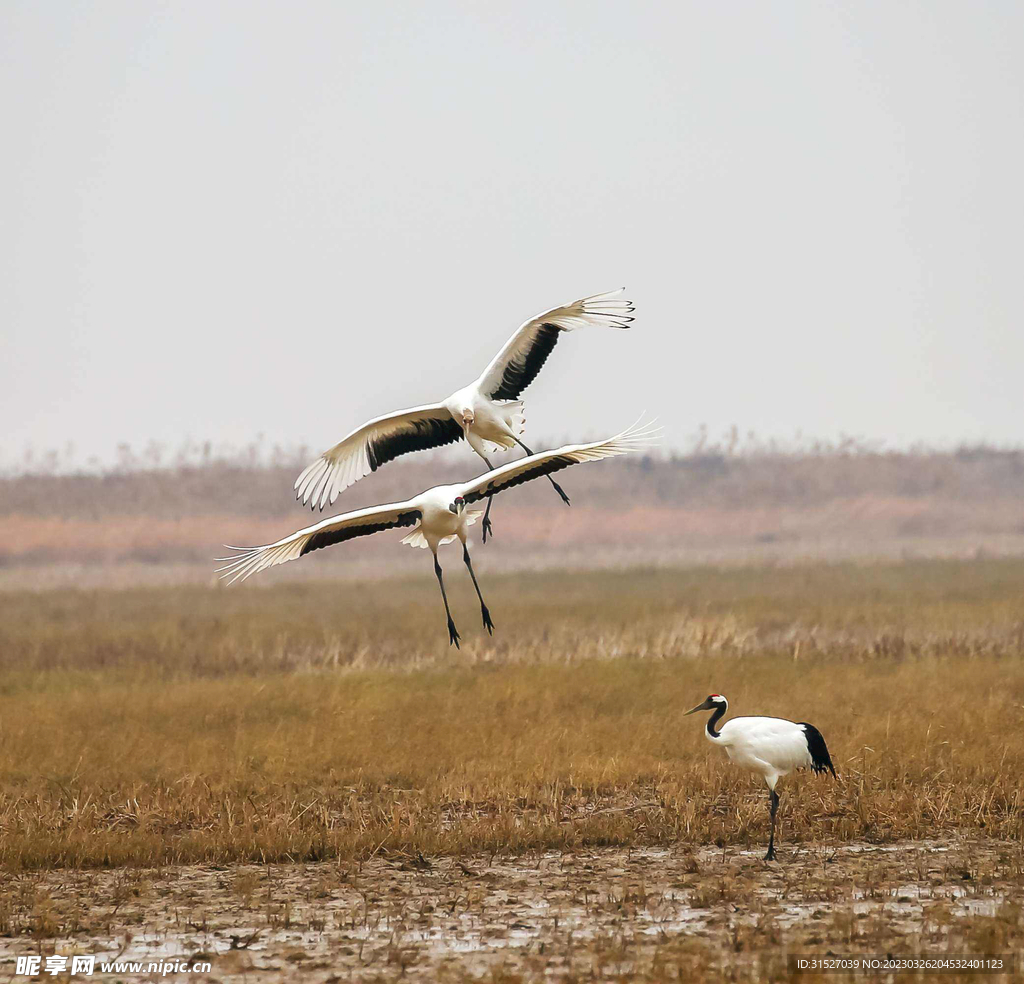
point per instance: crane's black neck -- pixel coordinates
(713, 720)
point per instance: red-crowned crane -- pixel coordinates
(438, 515)
(772, 747)
(488, 413)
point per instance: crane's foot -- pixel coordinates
(770, 856)
(561, 493)
(453, 635)
(486, 615)
(488, 529)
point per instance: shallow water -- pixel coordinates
(413, 919)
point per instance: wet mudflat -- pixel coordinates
(646, 914)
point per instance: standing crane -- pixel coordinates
(487, 413)
(772, 747)
(438, 516)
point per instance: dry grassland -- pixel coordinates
(301, 722)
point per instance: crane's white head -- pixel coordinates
(458, 506)
(468, 417)
(710, 703)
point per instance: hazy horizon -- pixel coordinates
(228, 220)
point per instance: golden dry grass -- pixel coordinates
(309, 721)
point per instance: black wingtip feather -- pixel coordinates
(821, 761)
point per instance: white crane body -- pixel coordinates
(438, 525)
(773, 747)
(494, 426)
(770, 746)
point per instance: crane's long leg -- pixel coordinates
(487, 529)
(774, 799)
(484, 613)
(453, 633)
(555, 485)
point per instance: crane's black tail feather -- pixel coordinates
(820, 758)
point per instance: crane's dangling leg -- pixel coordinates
(774, 799)
(487, 529)
(453, 633)
(484, 613)
(555, 485)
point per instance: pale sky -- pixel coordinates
(227, 219)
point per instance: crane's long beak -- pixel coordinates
(702, 706)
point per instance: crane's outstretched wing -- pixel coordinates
(517, 364)
(374, 444)
(362, 522)
(636, 438)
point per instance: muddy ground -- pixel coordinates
(645, 914)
